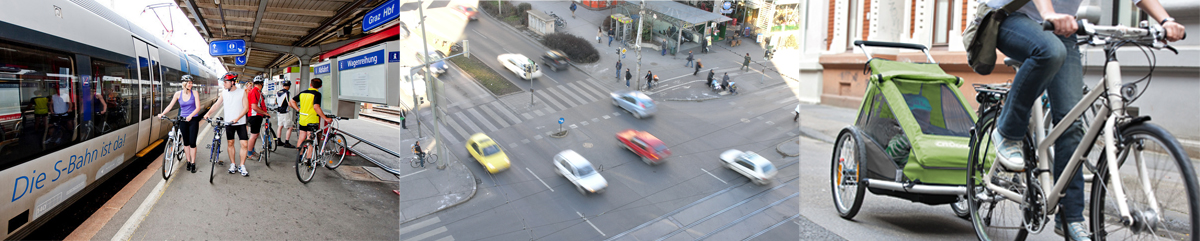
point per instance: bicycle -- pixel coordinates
(1019, 202)
(215, 156)
(175, 151)
(306, 167)
(416, 161)
(268, 141)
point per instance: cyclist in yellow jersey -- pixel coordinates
(308, 105)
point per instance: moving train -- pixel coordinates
(79, 88)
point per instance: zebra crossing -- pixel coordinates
(410, 232)
(495, 115)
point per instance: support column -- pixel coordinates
(304, 60)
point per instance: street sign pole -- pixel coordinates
(560, 122)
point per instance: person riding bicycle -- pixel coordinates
(416, 149)
(234, 104)
(308, 107)
(190, 127)
(258, 111)
(1051, 63)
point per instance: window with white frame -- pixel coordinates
(942, 17)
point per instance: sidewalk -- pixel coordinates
(823, 123)
(676, 80)
(424, 191)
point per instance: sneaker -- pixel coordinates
(289, 145)
(1078, 231)
(242, 169)
(1008, 153)
(232, 168)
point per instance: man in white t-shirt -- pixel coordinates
(233, 103)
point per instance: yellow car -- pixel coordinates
(487, 152)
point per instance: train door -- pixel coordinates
(157, 96)
(145, 93)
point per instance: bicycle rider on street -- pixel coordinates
(187, 109)
(1051, 63)
(233, 103)
(308, 105)
(258, 111)
(416, 149)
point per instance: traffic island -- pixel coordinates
(485, 76)
(559, 134)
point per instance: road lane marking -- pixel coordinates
(551, 78)
(419, 225)
(590, 223)
(480, 34)
(447, 238)
(539, 179)
(431, 233)
(714, 176)
(410, 174)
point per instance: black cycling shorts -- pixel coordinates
(239, 130)
(189, 131)
(310, 128)
(255, 124)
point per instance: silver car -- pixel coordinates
(636, 102)
(580, 172)
(749, 164)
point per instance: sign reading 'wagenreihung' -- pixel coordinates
(367, 59)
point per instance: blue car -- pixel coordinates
(438, 67)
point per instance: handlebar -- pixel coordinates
(1140, 34)
(336, 117)
(861, 43)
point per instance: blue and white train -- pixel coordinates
(79, 86)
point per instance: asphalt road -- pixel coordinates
(691, 196)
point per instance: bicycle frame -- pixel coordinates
(1107, 115)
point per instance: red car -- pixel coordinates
(649, 148)
(467, 11)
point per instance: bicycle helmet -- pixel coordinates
(186, 78)
(231, 76)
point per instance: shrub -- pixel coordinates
(521, 8)
(580, 50)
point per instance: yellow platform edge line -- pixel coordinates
(150, 147)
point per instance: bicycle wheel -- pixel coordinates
(431, 159)
(414, 162)
(265, 153)
(270, 141)
(993, 216)
(335, 151)
(305, 167)
(215, 157)
(844, 176)
(1160, 188)
(168, 162)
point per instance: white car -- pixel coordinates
(518, 64)
(580, 172)
(749, 164)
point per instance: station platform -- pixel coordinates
(349, 203)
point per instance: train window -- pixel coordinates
(116, 87)
(171, 84)
(145, 87)
(36, 102)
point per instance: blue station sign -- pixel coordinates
(239, 60)
(227, 47)
(367, 59)
(393, 56)
(383, 13)
(321, 69)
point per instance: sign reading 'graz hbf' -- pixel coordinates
(383, 13)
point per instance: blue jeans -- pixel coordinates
(610, 37)
(1050, 63)
(689, 63)
(618, 72)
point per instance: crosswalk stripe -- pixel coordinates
(549, 110)
(527, 116)
(467, 121)
(546, 99)
(601, 95)
(538, 112)
(583, 92)
(457, 128)
(560, 96)
(447, 238)
(503, 123)
(431, 233)
(482, 120)
(419, 225)
(567, 92)
(502, 110)
(447, 133)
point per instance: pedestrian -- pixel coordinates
(710, 78)
(698, 65)
(403, 122)
(797, 118)
(704, 44)
(690, 60)
(619, 70)
(725, 81)
(649, 77)
(610, 37)
(599, 33)
(746, 62)
(627, 77)
(572, 9)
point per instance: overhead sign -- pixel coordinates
(227, 47)
(239, 60)
(322, 69)
(367, 59)
(383, 13)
